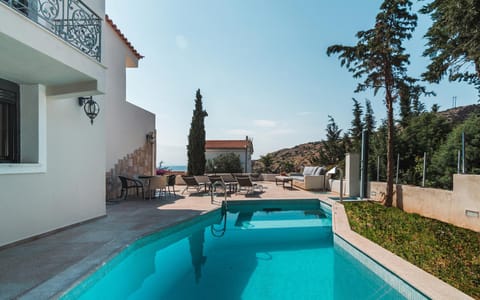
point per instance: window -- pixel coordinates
(9, 122)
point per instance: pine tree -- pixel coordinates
(435, 108)
(418, 107)
(405, 105)
(357, 126)
(379, 56)
(332, 151)
(410, 104)
(453, 41)
(196, 139)
(424, 133)
(444, 161)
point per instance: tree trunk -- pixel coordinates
(390, 132)
(390, 143)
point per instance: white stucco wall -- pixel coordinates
(61, 180)
(71, 189)
(127, 124)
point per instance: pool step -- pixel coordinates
(264, 224)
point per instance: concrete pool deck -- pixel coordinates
(45, 267)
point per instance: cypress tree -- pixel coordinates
(369, 118)
(357, 126)
(196, 139)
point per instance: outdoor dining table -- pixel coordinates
(283, 180)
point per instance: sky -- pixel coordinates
(261, 66)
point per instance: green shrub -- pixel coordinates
(446, 251)
(224, 163)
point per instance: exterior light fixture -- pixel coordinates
(90, 107)
(151, 137)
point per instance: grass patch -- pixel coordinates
(448, 252)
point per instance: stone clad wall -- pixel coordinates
(139, 162)
(460, 207)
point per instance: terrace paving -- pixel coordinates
(45, 267)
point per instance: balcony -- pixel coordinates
(71, 20)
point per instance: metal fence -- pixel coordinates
(70, 20)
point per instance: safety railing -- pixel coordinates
(70, 20)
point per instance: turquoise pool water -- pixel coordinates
(270, 251)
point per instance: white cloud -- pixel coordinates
(181, 42)
(265, 123)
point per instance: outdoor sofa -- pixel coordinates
(312, 178)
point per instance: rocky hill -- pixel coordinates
(461, 113)
(292, 159)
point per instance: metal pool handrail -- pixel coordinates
(213, 187)
(219, 232)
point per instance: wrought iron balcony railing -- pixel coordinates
(71, 20)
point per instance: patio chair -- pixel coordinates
(230, 181)
(171, 183)
(130, 183)
(191, 182)
(244, 182)
(157, 183)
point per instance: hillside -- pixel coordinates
(461, 113)
(307, 154)
(292, 158)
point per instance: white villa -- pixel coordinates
(242, 148)
(56, 162)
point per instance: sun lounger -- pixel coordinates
(191, 182)
(244, 182)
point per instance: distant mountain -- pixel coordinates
(461, 113)
(307, 154)
(292, 158)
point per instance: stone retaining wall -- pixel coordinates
(460, 207)
(140, 162)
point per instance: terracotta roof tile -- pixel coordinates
(122, 36)
(227, 144)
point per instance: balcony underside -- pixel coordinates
(29, 54)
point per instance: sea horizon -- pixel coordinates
(180, 168)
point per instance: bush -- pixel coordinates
(448, 252)
(224, 163)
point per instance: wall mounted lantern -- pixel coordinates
(90, 107)
(151, 137)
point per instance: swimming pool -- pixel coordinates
(250, 250)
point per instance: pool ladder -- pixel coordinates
(219, 232)
(213, 188)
